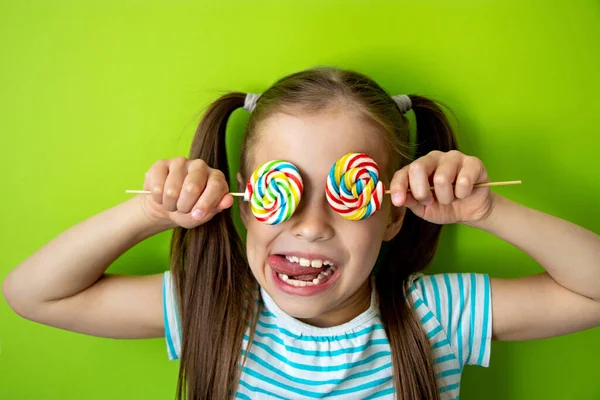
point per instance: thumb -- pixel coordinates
(189, 222)
(226, 202)
(413, 205)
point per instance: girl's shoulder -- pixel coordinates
(458, 307)
(448, 286)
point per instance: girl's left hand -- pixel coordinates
(454, 199)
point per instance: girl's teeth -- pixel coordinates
(298, 283)
(304, 262)
(309, 263)
(292, 258)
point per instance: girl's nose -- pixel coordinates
(312, 220)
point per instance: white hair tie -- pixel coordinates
(403, 101)
(250, 101)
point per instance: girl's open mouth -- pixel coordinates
(311, 275)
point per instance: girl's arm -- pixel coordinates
(566, 298)
(63, 284)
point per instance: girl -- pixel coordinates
(317, 305)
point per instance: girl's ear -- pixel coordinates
(243, 205)
(394, 223)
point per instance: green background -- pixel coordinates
(92, 94)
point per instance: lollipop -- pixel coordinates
(353, 187)
(274, 191)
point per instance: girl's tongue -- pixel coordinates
(282, 265)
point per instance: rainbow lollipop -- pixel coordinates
(274, 191)
(353, 187)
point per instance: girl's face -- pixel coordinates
(315, 233)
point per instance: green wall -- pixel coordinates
(92, 94)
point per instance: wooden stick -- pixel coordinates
(480, 185)
(149, 192)
(386, 192)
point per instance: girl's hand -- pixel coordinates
(185, 192)
(447, 204)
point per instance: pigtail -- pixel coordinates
(212, 278)
(434, 132)
(412, 250)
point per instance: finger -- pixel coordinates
(157, 176)
(399, 186)
(147, 185)
(412, 203)
(193, 185)
(216, 189)
(419, 172)
(472, 172)
(226, 202)
(174, 181)
(444, 177)
(200, 219)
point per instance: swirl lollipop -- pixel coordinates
(353, 187)
(274, 191)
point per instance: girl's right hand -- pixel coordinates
(185, 193)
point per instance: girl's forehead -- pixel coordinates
(314, 142)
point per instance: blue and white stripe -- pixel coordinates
(290, 359)
(171, 316)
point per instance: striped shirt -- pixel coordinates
(289, 359)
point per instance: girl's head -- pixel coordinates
(310, 119)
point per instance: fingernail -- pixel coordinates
(156, 189)
(396, 198)
(197, 214)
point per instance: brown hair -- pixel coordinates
(211, 274)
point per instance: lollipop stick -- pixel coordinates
(480, 185)
(149, 192)
(386, 192)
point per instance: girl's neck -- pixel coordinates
(355, 305)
